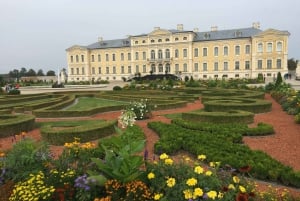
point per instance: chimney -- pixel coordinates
(100, 39)
(256, 25)
(196, 30)
(214, 28)
(156, 28)
(180, 27)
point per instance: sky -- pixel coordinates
(35, 33)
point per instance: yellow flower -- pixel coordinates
(236, 179)
(198, 192)
(212, 194)
(188, 194)
(171, 182)
(220, 195)
(191, 182)
(163, 156)
(231, 186)
(151, 175)
(157, 196)
(242, 189)
(201, 157)
(168, 161)
(208, 173)
(198, 169)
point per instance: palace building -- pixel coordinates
(234, 53)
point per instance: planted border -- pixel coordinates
(15, 124)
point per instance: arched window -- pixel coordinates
(184, 38)
(279, 46)
(136, 42)
(153, 69)
(225, 51)
(160, 68)
(152, 41)
(167, 54)
(176, 53)
(260, 47)
(160, 54)
(143, 41)
(159, 40)
(167, 39)
(152, 54)
(168, 68)
(176, 39)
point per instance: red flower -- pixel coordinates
(241, 197)
(245, 169)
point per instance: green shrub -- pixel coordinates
(15, 124)
(14, 92)
(117, 88)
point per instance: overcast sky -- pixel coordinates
(35, 33)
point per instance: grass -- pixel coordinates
(86, 103)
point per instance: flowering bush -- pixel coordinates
(170, 181)
(61, 178)
(34, 188)
(127, 118)
(142, 109)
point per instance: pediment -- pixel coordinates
(76, 47)
(273, 32)
(159, 32)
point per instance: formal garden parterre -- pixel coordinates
(118, 167)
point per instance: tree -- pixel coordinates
(278, 80)
(292, 64)
(40, 73)
(23, 72)
(50, 73)
(31, 72)
(14, 74)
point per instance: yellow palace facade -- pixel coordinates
(234, 53)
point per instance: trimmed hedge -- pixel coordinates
(232, 116)
(58, 133)
(250, 105)
(14, 124)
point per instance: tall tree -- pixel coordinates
(50, 73)
(31, 72)
(14, 74)
(40, 72)
(23, 72)
(292, 64)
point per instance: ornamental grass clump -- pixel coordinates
(34, 188)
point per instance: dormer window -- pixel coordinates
(152, 41)
(176, 39)
(167, 39)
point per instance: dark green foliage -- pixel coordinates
(15, 124)
(278, 80)
(14, 92)
(117, 88)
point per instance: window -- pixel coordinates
(225, 50)
(225, 65)
(168, 68)
(122, 70)
(237, 50)
(247, 65)
(82, 71)
(122, 56)
(215, 76)
(107, 70)
(278, 63)
(216, 51)
(129, 56)
(152, 54)
(269, 64)
(152, 41)
(237, 65)
(137, 69)
(143, 41)
(216, 66)
(279, 46)
(136, 42)
(184, 38)
(93, 58)
(129, 69)
(144, 69)
(204, 66)
(71, 58)
(106, 57)
(269, 47)
(99, 57)
(184, 52)
(259, 64)
(176, 39)
(99, 70)
(184, 67)
(82, 58)
(153, 69)
(160, 54)
(260, 47)
(247, 49)
(160, 68)
(167, 54)
(176, 53)
(77, 71)
(159, 40)
(114, 57)
(93, 70)
(114, 70)
(177, 68)
(136, 56)
(205, 51)
(167, 39)
(196, 52)
(196, 67)
(144, 55)
(77, 58)
(72, 71)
